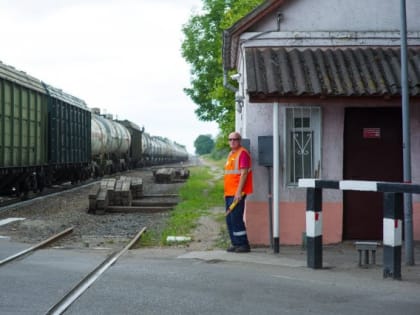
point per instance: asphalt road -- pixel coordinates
(172, 282)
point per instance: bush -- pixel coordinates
(219, 154)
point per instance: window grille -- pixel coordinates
(303, 145)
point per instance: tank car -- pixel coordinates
(148, 149)
(111, 143)
(180, 152)
(162, 150)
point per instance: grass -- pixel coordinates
(149, 238)
(223, 240)
(200, 193)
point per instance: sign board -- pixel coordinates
(371, 133)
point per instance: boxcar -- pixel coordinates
(69, 136)
(23, 129)
(44, 134)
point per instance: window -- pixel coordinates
(303, 143)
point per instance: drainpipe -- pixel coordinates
(226, 83)
(276, 177)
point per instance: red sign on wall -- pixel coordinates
(371, 133)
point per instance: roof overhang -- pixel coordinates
(277, 72)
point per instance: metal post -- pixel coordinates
(408, 201)
(276, 178)
(314, 227)
(270, 208)
(392, 231)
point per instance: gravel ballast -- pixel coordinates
(51, 215)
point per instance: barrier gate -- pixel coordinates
(392, 220)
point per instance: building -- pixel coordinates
(332, 68)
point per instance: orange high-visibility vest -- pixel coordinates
(233, 174)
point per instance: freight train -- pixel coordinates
(49, 137)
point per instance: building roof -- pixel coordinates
(278, 72)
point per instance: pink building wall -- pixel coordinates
(292, 222)
(292, 199)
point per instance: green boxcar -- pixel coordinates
(68, 128)
(23, 120)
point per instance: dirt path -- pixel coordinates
(209, 231)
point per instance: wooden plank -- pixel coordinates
(141, 203)
(137, 209)
(160, 195)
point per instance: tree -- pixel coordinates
(204, 144)
(202, 49)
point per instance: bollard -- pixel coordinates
(392, 230)
(314, 227)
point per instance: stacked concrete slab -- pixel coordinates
(137, 187)
(115, 192)
(171, 174)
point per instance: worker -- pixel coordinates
(237, 184)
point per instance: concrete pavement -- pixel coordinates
(336, 258)
(178, 281)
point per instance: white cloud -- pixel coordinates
(122, 56)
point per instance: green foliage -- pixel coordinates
(219, 154)
(202, 49)
(203, 144)
(149, 238)
(202, 191)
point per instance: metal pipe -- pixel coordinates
(276, 177)
(408, 200)
(226, 83)
(270, 207)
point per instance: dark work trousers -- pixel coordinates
(235, 223)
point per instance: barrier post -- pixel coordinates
(392, 234)
(314, 227)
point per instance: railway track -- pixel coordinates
(37, 246)
(7, 203)
(62, 305)
(73, 294)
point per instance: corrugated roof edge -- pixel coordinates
(11, 74)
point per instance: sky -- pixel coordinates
(122, 56)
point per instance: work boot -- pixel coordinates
(231, 249)
(243, 249)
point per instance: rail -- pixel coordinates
(35, 247)
(61, 306)
(17, 203)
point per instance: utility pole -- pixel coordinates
(276, 179)
(408, 200)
